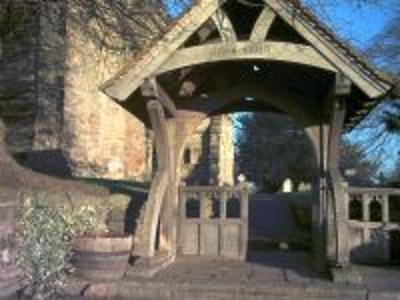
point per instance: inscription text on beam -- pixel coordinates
(278, 51)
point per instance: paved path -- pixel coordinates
(270, 218)
(271, 267)
(270, 276)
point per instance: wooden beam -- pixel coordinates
(337, 122)
(273, 51)
(370, 86)
(129, 78)
(153, 89)
(263, 25)
(339, 193)
(147, 231)
(224, 26)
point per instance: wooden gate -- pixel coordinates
(214, 221)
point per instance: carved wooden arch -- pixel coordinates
(275, 51)
(285, 100)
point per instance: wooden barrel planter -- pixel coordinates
(10, 275)
(102, 258)
(10, 282)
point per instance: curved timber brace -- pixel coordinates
(338, 203)
(159, 187)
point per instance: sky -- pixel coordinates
(360, 25)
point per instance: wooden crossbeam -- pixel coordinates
(152, 89)
(263, 25)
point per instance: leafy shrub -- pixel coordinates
(45, 245)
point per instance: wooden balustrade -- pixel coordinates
(374, 207)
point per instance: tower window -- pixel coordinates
(187, 157)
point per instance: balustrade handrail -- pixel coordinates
(200, 189)
(373, 190)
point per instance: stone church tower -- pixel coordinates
(58, 121)
(209, 156)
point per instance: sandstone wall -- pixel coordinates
(100, 139)
(222, 151)
(195, 168)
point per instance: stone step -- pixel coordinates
(149, 289)
(144, 267)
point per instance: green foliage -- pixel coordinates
(45, 245)
(391, 116)
(354, 157)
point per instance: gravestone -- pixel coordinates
(287, 186)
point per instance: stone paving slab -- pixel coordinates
(380, 279)
(274, 267)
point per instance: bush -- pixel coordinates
(121, 209)
(45, 245)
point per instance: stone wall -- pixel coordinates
(57, 67)
(223, 158)
(50, 77)
(64, 125)
(195, 168)
(209, 155)
(17, 78)
(100, 139)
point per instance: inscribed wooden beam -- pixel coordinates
(272, 51)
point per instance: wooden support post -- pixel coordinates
(244, 219)
(338, 189)
(385, 209)
(146, 236)
(157, 206)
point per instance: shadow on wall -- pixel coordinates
(49, 162)
(383, 248)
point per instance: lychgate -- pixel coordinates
(214, 57)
